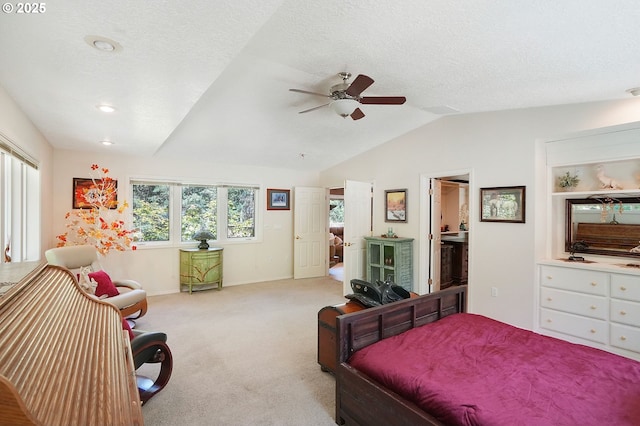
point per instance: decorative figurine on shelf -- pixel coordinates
(203, 235)
(577, 246)
(567, 181)
(606, 181)
(463, 226)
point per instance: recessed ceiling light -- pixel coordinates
(105, 108)
(106, 142)
(102, 43)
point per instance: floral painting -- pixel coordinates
(97, 218)
(90, 193)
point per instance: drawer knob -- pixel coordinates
(623, 312)
(593, 307)
(549, 320)
(593, 283)
(549, 277)
(593, 331)
(549, 299)
(623, 338)
(623, 288)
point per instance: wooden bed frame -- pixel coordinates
(360, 400)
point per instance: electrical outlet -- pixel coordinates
(494, 291)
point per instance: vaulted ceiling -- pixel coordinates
(210, 78)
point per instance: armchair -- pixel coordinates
(131, 298)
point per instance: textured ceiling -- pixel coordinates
(212, 77)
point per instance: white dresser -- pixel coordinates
(593, 304)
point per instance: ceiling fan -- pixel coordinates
(346, 98)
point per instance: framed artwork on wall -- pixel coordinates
(395, 205)
(278, 199)
(502, 204)
(91, 193)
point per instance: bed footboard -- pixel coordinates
(360, 400)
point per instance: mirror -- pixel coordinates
(603, 225)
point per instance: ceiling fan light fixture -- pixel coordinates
(344, 107)
(634, 91)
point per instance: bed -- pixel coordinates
(425, 361)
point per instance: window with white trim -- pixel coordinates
(171, 213)
(19, 204)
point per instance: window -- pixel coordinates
(151, 212)
(19, 204)
(226, 211)
(199, 209)
(241, 212)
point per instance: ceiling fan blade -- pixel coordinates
(383, 100)
(308, 93)
(312, 109)
(359, 85)
(357, 114)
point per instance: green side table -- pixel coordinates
(201, 268)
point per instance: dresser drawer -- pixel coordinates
(575, 303)
(625, 312)
(625, 337)
(590, 282)
(585, 328)
(625, 287)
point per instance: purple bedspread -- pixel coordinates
(467, 369)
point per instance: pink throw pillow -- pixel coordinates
(125, 326)
(105, 285)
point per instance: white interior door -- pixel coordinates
(310, 235)
(435, 237)
(357, 225)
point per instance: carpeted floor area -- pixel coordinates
(246, 355)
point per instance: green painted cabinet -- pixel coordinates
(200, 268)
(390, 258)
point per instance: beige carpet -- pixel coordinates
(246, 355)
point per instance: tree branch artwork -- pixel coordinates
(99, 225)
(201, 274)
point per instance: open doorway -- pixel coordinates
(336, 233)
(454, 232)
(445, 253)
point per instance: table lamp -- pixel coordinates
(203, 235)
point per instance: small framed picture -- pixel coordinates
(395, 205)
(502, 204)
(278, 199)
(90, 193)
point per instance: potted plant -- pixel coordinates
(567, 181)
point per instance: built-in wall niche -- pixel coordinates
(598, 178)
(607, 163)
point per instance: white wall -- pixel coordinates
(15, 125)
(499, 148)
(158, 268)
